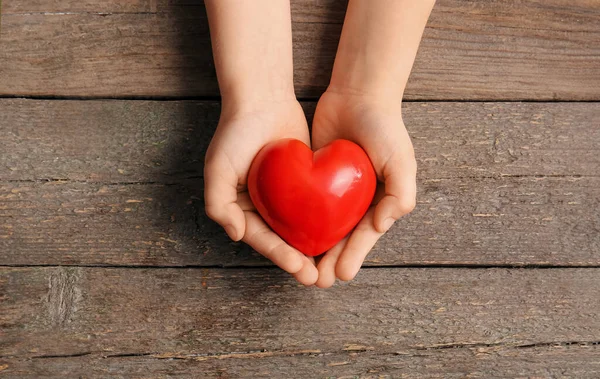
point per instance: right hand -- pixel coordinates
(242, 131)
(375, 123)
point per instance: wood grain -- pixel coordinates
(570, 360)
(258, 323)
(470, 221)
(155, 141)
(471, 50)
(302, 10)
(120, 183)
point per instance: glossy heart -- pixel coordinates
(312, 200)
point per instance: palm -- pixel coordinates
(378, 128)
(239, 137)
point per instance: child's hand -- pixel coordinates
(252, 46)
(241, 133)
(375, 123)
(377, 49)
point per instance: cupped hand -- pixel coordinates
(242, 131)
(375, 123)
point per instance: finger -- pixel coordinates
(244, 201)
(326, 266)
(266, 242)
(400, 177)
(360, 243)
(220, 195)
(308, 275)
(304, 275)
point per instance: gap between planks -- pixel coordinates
(300, 99)
(349, 350)
(197, 177)
(463, 266)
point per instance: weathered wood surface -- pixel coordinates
(259, 323)
(119, 183)
(471, 50)
(554, 361)
(496, 221)
(156, 141)
(302, 10)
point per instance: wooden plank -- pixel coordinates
(321, 11)
(556, 361)
(474, 221)
(258, 323)
(154, 141)
(471, 50)
(83, 6)
(119, 183)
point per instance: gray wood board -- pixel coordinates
(119, 183)
(466, 221)
(496, 50)
(259, 323)
(157, 141)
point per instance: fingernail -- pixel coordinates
(387, 224)
(231, 232)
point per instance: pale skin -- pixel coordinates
(252, 46)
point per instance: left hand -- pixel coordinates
(374, 123)
(243, 130)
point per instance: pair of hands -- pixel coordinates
(374, 123)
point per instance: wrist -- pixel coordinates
(239, 104)
(252, 49)
(378, 46)
(359, 77)
(370, 91)
(245, 98)
(380, 96)
(350, 102)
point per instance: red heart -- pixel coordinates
(312, 200)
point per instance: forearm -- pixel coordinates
(252, 48)
(378, 46)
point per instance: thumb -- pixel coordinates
(220, 196)
(400, 177)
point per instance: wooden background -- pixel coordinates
(109, 267)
